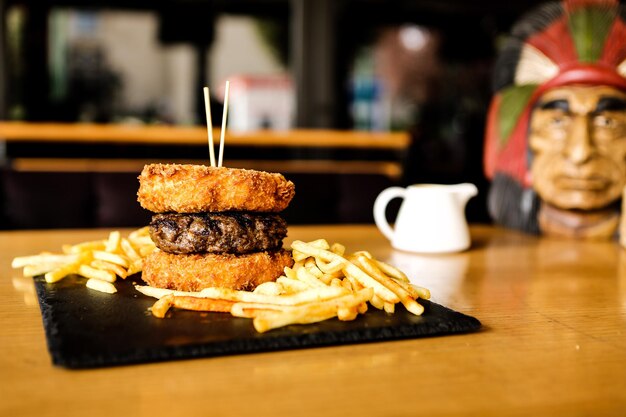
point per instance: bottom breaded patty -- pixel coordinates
(195, 272)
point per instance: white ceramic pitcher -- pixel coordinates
(431, 218)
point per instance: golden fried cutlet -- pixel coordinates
(197, 271)
(198, 188)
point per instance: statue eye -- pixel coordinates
(557, 122)
(604, 122)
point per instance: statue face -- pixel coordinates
(578, 144)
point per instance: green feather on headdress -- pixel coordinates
(514, 100)
(589, 23)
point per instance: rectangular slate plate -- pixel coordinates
(87, 329)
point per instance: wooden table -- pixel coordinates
(553, 343)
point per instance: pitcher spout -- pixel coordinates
(464, 192)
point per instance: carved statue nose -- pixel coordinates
(579, 146)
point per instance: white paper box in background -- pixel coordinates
(260, 102)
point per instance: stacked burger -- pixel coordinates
(214, 226)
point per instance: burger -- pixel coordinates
(214, 226)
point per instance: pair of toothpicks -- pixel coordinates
(209, 122)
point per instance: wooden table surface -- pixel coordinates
(553, 343)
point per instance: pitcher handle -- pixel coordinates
(380, 206)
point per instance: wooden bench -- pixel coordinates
(94, 168)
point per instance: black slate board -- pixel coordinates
(87, 329)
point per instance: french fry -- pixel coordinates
(291, 285)
(348, 268)
(108, 266)
(311, 312)
(135, 267)
(139, 233)
(22, 261)
(140, 238)
(142, 241)
(362, 308)
(368, 282)
(306, 296)
(269, 288)
(332, 268)
(311, 266)
(347, 313)
(423, 293)
(102, 286)
(320, 243)
(251, 310)
(34, 270)
(128, 249)
(403, 295)
(155, 292)
(376, 302)
(113, 242)
(303, 275)
(299, 256)
(389, 308)
(71, 268)
(413, 306)
(291, 273)
(84, 247)
(310, 249)
(268, 320)
(161, 307)
(356, 285)
(59, 273)
(111, 257)
(390, 270)
(201, 304)
(364, 253)
(338, 248)
(91, 272)
(415, 291)
(146, 250)
(336, 282)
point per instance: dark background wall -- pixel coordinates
(319, 41)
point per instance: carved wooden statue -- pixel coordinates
(556, 131)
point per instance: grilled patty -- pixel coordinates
(229, 232)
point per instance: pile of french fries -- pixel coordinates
(323, 283)
(100, 261)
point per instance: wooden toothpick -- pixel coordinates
(223, 132)
(209, 122)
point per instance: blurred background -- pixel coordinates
(416, 72)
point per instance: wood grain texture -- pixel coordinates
(387, 168)
(197, 135)
(554, 343)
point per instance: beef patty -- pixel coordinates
(228, 232)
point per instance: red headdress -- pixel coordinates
(579, 42)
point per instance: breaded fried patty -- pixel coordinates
(178, 188)
(231, 232)
(198, 271)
